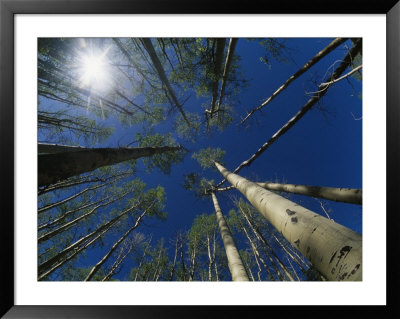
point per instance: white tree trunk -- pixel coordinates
(331, 46)
(345, 195)
(335, 250)
(235, 263)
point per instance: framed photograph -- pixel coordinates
(153, 152)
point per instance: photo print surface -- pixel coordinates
(199, 159)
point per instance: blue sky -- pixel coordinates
(324, 148)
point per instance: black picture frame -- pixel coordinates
(8, 8)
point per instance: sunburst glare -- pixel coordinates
(94, 70)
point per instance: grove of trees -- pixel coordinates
(153, 161)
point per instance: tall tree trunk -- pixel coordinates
(64, 227)
(121, 257)
(335, 250)
(46, 148)
(235, 263)
(58, 166)
(142, 260)
(293, 270)
(261, 239)
(79, 181)
(228, 62)
(248, 269)
(77, 251)
(171, 273)
(71, 181)
(210, 261)
(131, 60)
(217, 72)
(302, 265)
(131, 102)
(161, 73)
(182, 258)
(322, 89)
(157, 270)
(329, 48)
(66, 214)
(192, 264)
(215, 259)
(55, 259)
(345, 195)
(162, 45)
(50, 206)
(257, 256)
(95, 268)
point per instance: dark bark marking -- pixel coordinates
(297, 242)
(342, 276)
(290, 212)
(294, 219)
(314, 230)
(354, 270)
(308, 249)
(343, 253)
(333, 256)
(345, 249)
(333, 270)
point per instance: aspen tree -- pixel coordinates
(234, 261)
(334, 250)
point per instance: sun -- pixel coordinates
(94, 70)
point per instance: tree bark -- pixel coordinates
(55, 259)
(75, 253)
(217, 72)
(172, 271)
(157, 270)
(302, 265)
(210, 261)
(79, 181)
(95, 268)
(294, 270)
(335, 250)
(118, 262)
(261, 239)
(66, 214)
(345, 195)
(61, 165)
(215, 259)
(131, 60)
(64, 227)
(235, 263)
(161, 73)
(249, 270)
(192, 264)
(228, 62)
(257, 256)
(329, 48)
(182, 258)
(50, 206)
